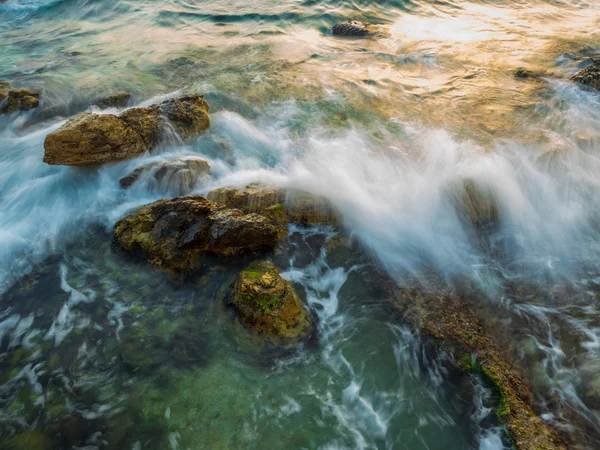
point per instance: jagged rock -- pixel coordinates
(475, 202)
(590, 76)
(352, 28)
(267, 303)
(92, 139)
(12, 100)
(278, 204)
(117, 100)
(175, 233)
(177, 177)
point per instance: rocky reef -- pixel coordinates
(178, 176)
(93, 139)
(267, 304)
(451, 321)
(280, 205)
(175, 233)
(590, 76)
(12, 100)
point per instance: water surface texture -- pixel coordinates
(101, 351)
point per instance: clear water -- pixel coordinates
(383, 127)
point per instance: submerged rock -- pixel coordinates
(267, 303)
(175, 233)
(451, 321)
(475, 202)
(352, 28)
(590, 76)
(92, 139)
(178, 176)
(12, 100)
(117, 100)
(281, 205)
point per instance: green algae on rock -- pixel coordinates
(92, 139)
(281, 205)
(175, 233)
(590, 76)
(267, 304)
(450, 320)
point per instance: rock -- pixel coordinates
(177, 177)
(352, 28)
(590, 76)
(146, 122)
(12, 100)
(267, 303)
(475, 202)
(117, 100)
(454, 324)
(92, 139)
(189, 115)
(280, 205)
(176, 233)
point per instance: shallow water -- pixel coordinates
(386, 128)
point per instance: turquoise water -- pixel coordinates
(384, 127)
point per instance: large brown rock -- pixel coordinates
(175, 233)
(12, 100)
(92, 139)
(267, 304)
(281, 205)
(178, 176)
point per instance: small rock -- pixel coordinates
(267, 303)
(177, 177)
(590, 76)
(12, 100)
(352, 28)
(118, 100)
(175, 233)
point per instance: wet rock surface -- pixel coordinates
(175, 233)
(450, 320)
(352, 28)
(116, 100)
(13, 100)
(281, 205)
(267, 304)
(590, 76)
(178, 176)
(93, 139)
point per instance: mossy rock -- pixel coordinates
(267, 304)
(178, 233)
